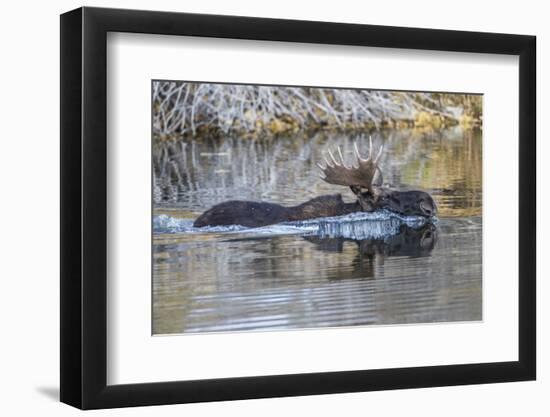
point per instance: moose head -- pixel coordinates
(364, 177)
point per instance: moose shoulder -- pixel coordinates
(360, 177)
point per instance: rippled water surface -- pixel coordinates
(360, 269)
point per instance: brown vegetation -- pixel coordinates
(198, 109)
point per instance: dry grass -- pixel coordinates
(192, 109)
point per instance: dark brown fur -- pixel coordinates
(256, 214)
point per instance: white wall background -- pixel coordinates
(29, 115)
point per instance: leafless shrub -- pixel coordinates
(185, 108)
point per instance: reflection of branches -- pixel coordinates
(182, 108)
(199, 173)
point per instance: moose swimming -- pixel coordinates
(365, 179)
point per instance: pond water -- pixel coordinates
(360, 269)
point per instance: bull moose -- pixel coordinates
(364, 177)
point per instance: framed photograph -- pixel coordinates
(258, 208)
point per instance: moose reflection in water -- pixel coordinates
(409, 241)
(364, 179)
(412, 242)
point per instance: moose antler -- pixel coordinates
(362, 175)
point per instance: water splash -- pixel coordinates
(380, 224)
(377, 225)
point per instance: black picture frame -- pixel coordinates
(84, 207)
